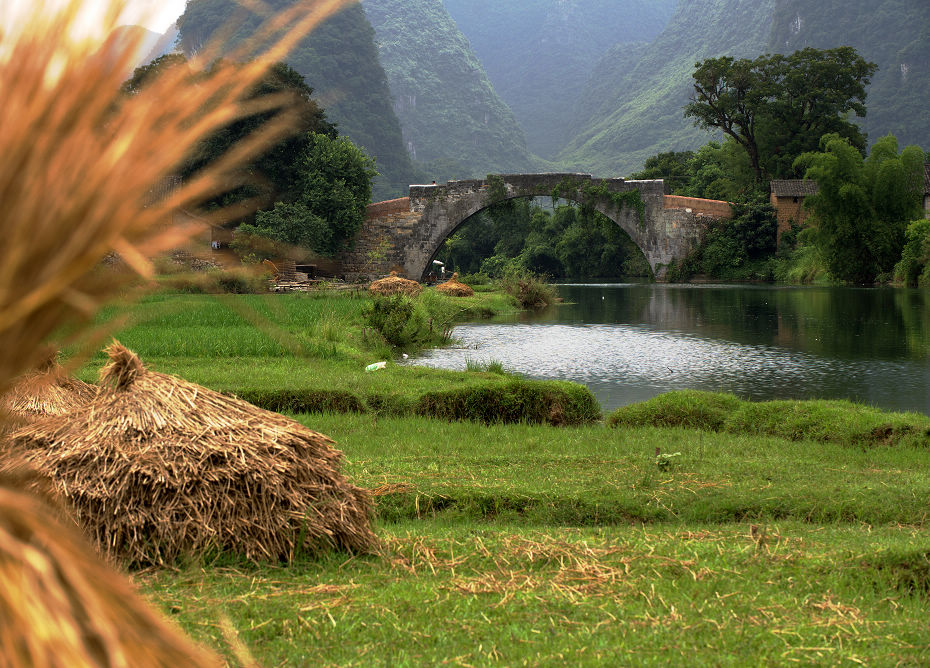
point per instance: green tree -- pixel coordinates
(776, 107)
(273, 175)
(673, 166)
(334, 184)
(914, 267)
(722, 172)
(144, 74)
(863, 205)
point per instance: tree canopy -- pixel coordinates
(333, 178)
(272, 174)
(776, 107)
(863, 206)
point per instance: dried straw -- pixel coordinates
(157, 467)
(78, 165)
(60, 607)
(80, 161)
(454, 288)
(47, 390)
(395, 285)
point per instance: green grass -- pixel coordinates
(537, 475)
(498, 595)
(836, 421)
(520, 544)
(782, 532)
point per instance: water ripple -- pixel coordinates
(626, 363)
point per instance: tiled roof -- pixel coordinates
(794, 188)
(927, 178)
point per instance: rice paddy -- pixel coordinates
(535, 545)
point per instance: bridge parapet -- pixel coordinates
(705, 207)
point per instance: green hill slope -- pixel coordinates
(454, 124)
(340, 61)
(894, 34)
(631, 107)
(539, 53)
(630, 112)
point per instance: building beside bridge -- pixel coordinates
(787, 196)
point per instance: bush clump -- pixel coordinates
(835, 421)
(402, 321)
(242, 281)
(690, 409)
(557, 403)
(530, 290)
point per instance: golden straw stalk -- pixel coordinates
(79, 162)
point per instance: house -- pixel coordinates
(787, 196)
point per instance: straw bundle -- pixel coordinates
(454, 288)
(60, 607)
(395, 285)
(79, 162)
(46, 391)
(157, 467)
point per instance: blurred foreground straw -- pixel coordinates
(80, 161)
(78, 165)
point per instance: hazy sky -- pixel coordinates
(155, 15)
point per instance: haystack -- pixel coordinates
(47, 390)
(395, 285)
(156, 467)
(61, 606)
(454, 288)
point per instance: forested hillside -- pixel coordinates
(340, 61)
(629, 112)
(540, 53)
(631, 107)
(454, 124)
(894, 34)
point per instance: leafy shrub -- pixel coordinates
(550, 402)
(802, 265)
(475, 279)
(733, 250)
(402, 321)
(914, 267)
(530, 290)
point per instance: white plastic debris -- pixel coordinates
(375, 366)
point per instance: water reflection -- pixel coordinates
(631, 342)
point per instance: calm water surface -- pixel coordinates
(630, 342)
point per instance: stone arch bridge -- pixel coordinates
(404, 235)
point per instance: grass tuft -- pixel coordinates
(536, 402)
(836, 421)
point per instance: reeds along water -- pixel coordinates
(79, 162)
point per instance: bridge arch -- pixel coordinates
(406, 234)
(625, 207)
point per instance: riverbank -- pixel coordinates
(513, 544)
(311, 352)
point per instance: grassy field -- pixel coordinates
(519, 544)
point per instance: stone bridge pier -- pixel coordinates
(404, 235)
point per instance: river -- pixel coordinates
(631, 341)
